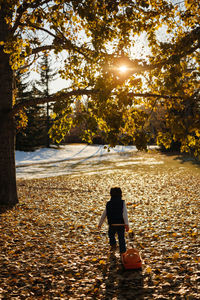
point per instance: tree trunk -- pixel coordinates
(8, 189)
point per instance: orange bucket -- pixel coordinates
(131, 259)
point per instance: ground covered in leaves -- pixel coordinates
(51, 248)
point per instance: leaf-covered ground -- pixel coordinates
(51, 248)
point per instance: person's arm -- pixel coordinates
(125, 217)
(102, 219)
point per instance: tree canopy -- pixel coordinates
(97, 37)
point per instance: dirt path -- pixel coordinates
(51, 248)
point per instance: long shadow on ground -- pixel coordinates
(121, 283)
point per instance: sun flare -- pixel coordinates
(123, 69)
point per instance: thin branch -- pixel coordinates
(23, 8)
(65, 46)
(42, 48)
(29, 24)
(28, 65)
(66, 43)
(52, 98)
(150, 95)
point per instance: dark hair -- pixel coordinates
(115, 192)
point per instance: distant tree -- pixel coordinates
(33, 123)
(30, 122)
(98, 36)
(47, 75)
(21, 93)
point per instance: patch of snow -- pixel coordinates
(67, 152)
(74, 159)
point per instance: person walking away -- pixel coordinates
(116, 213)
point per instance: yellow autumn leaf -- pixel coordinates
(169, 276)
(194, 234)
(176, 255)
(148, 270)
(74, 18)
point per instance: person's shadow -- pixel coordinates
(120, 283)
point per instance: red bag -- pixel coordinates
(131, 259)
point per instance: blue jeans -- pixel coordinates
(120, 230)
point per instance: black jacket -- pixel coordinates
(114, 211)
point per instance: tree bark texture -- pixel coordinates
(8, 189)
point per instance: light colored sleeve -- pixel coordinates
(125, 215)
(103, 216)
